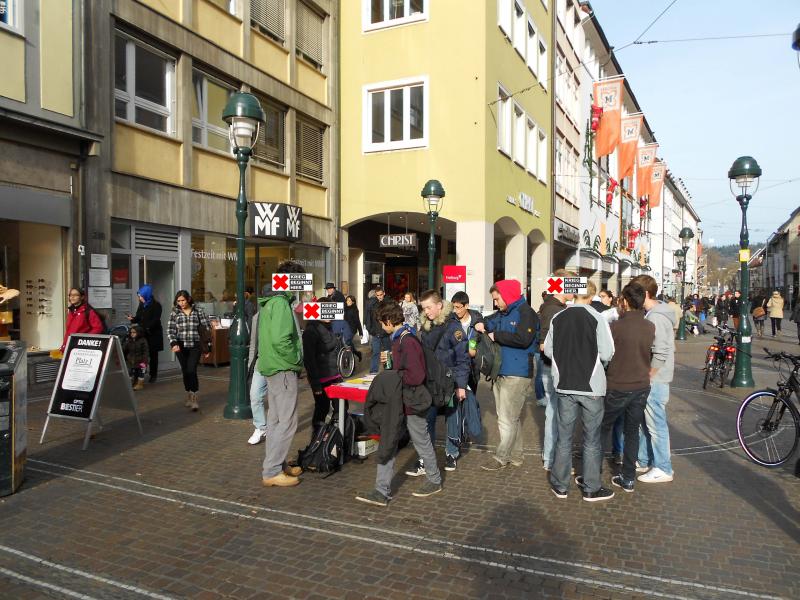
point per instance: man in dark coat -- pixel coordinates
(148, 315)
(378, 338)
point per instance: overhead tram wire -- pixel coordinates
(712, 38)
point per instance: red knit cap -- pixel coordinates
(510, 290)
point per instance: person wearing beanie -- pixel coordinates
(514, 328)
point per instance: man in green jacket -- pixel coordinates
(280, 360)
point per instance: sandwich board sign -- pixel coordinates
(92, 371)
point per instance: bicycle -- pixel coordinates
(345, 360)
(766, 433)
(720, 356)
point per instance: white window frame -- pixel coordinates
(532, 46)
(541, 155)
(386, 86)
(233, 7)
(518, 135)
(129, 94)
(366, 15)
(520, 27)
(16, 8)
(504, 120)
(532, 151)
(505, 19)
(202, 122)
(542, 59)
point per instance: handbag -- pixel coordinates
(758, 312)
(205, 337)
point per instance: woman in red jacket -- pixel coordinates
(81, 318)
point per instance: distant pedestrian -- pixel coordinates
(410, 310)
(579, 343)
(81, 317)
(628, 379)
(353, 318)
(775, 310)
(258, 383)
(332, 293)
(379, 339)
(186, 341)
(735, 308)
(759, 314)
(148, 315)
(137, 355)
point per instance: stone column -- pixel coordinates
(475, 249)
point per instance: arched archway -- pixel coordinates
(539, 252)
(510, 251)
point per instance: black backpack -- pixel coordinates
(438, 378)
(488, 357)
(327, 446)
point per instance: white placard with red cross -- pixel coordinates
(566, 285)
(323, 311)
(292, 282)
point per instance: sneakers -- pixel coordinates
(621, 482)
(258, 436)
(427, 489)
(655, 475)
(599, 496)
(373, 497)
(280, 480)
(558, 493)
(579, 481)
(515, 463)
(417, 470)
(449, 463)
(640, 468)
(492, 465)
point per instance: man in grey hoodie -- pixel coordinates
(654, 449)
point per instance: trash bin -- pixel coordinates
(13, 415)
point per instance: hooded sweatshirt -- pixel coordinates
(663, 353)
(515, 329)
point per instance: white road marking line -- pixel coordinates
(87, 575)
(411, 536)
(44, 584)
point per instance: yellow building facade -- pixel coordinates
(458, 92)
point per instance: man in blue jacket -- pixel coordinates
(513, 326)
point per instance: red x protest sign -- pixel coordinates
(280, 282)
(555, 285)
(311, 311)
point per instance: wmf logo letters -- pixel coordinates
(276, 221)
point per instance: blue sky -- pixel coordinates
(712, 101)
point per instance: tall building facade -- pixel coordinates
(458, 92)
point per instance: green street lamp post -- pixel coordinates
(244, 115)
(432, 194)
(679, 254)
(745, 173)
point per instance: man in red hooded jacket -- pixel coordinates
(514, 327)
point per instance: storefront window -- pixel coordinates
(120, 236)
(120, 271)
(31, 257)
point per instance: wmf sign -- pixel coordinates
(276, 221)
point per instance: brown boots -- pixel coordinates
(191, 401)
(138, 384)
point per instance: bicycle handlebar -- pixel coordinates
(795, 358)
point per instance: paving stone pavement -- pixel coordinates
(181, 513)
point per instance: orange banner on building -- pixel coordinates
(657, 174)
(629, 138)
(645, 158)
(608, 95)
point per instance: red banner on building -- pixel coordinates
(629, 139)
(645, 157)
(608, 95)
(657, 174)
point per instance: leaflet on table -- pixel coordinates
(361, 382)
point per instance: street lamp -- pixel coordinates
(744, 173)
(681, 263)
(244, 115)
(432, 194)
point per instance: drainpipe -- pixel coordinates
(551, 90)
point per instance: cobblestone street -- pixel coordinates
(181, 513)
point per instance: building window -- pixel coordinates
(229, 6)
(396, 115)
(503, 121)
(542, 156)
(519, 135)
(11, 15)
(388, 13)
(542, 62)
(270, 146)
(532, 142)
(144, 84)
(208, 101)
(310, 150)
(268, 16)
(504, 17)
(310, 35)
(520, 26)
(532, 53)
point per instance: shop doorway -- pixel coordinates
(373, 276)
(160, 274)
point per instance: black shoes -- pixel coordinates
(558, 493)
(599, 496)
(621, 482)
(449, 463)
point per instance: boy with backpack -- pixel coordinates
(395, 395)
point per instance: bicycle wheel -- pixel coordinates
(768, 428)
(346, 362)
(726, 369)
(707, 378)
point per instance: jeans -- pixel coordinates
(281, 421)
(775, 322)
(654, 434)
(418, 430)
(258, 389)
(628, 406)
(189, 359)
(591, 409)
(550, 417)
(509, 398)
(378, 344)
(453, 420)
(618, 435)
(153, 364)
(538, 384)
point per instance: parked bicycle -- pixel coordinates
(720, 356)
(346, 361)
(768, 423)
